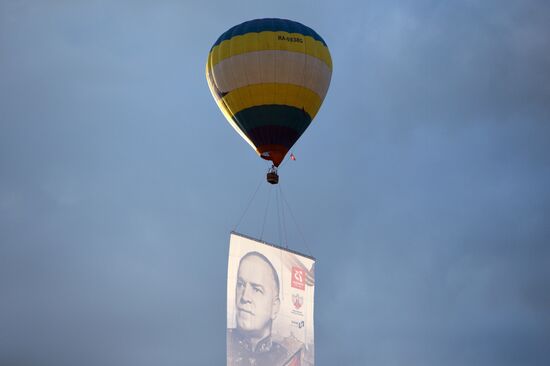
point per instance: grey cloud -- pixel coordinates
(421, 187)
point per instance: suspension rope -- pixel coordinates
(282, 204)
(278, 202)
(248, 205)
(280, 218)
(283, 217)
(265, 214)
(296, 223)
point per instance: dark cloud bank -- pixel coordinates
(119, 183)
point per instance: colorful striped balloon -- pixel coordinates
(269, 78)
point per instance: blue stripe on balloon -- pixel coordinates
(270, 25)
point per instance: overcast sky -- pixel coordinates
(422, 186)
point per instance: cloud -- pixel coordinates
(421, 187)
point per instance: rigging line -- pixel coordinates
(265, 214)
(283, 216)
(280, 216)
(248, 205)
(296, 223)
(277, 202)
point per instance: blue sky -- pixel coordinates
(421, 187)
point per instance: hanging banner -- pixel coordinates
(270, 293)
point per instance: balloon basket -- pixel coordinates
(272, 176)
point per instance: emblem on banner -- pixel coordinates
(298, 278)
(297, 300)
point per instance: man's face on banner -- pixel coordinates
(257, 298)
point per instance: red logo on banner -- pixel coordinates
(298, 278)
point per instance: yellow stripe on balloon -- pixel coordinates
(272, 93)
(267, 40)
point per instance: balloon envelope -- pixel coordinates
(269, 78)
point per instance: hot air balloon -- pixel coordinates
(269, 78)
